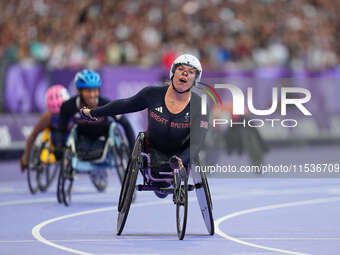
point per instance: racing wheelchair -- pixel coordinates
(103, 154)
(177, 180)
(42, 165)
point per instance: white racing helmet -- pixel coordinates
(187, 59)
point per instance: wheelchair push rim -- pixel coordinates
(99, 178)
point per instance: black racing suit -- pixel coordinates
(70, 112)
(168, 133)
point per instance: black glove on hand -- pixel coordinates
(86, 115)
(176, 162)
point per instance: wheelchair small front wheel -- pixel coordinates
(99, 178)
(181, 201)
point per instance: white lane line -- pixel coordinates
(292, 238)
(264, 208)
(36, 230)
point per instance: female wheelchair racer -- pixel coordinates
(166, 151)
(38, 157)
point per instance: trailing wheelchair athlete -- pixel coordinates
(91, 141)
(38, 156)
(93, 157)
(173, 131)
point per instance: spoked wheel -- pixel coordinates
(181, 201)
(204, 199)
(33, 170)
(120, 153)
(67, 177)
(99, 178)
(129, 184)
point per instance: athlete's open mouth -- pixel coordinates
(183, 80)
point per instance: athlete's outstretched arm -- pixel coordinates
(136, 103)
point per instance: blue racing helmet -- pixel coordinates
(87, 79)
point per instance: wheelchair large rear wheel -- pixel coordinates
(67, 177)
(33, 169)
(124, 188)
(204, 199)
(181, 201)
(126, 196)
(129, 183)
(121, 154)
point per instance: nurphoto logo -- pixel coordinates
(239, 104)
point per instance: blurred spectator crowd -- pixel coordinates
(223, 33)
